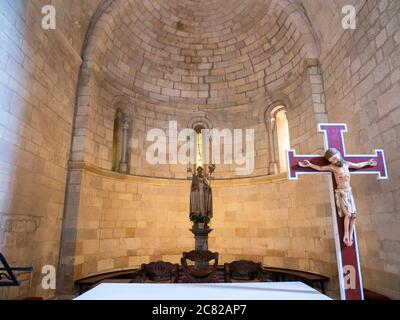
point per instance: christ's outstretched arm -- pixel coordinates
(308, 164)
(360, 165)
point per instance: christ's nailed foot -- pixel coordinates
(351, 241)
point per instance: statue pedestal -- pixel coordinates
(201, 232)
(201, 235)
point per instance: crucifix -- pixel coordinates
(340, 166)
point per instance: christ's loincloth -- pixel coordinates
(345, 202)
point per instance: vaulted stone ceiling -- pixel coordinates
(205, 52)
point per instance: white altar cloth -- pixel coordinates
(204, 291)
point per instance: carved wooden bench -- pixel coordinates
(311, 279)
(130, 275)
(201, 271)
(222, 272)
(244, 270)
(159, 271)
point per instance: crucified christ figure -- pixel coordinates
(343, 193)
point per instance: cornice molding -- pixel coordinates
(240, 181)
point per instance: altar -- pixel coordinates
(204, 291)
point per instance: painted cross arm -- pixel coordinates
(295, 169)
(333, 135)
(379, 169)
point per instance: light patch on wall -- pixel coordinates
(283, 139)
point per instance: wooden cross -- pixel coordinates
(349, 270)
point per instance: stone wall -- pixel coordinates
(147, 116)
(303, 95)
(169, 59)
(186, 54)
(172, 60)
(361, 75)
(125, 221)
(38, 76)
(115, 221)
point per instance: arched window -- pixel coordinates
(198, 121)
(116, 150)
(120, 148)
(282, 132)
(199, 148)
(279, 140)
